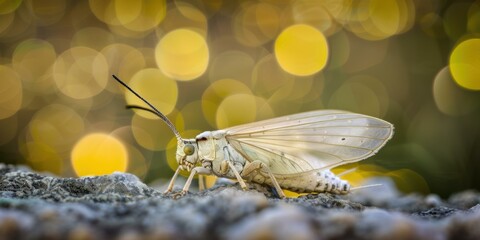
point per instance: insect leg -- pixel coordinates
(258, 165)
(199, 170)
(234, 170)
(201, 183)
(172, 182)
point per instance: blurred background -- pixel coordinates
(213, 64)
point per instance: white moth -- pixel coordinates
(294, 152)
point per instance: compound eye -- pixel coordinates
(189, 149)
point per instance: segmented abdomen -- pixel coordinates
(321, 181)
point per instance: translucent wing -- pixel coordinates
(311, 140)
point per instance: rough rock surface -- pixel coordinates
(119, 206)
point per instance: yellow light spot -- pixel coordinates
(123, 60)
(409, 181)
(33, 60)
(83, 37)
(9, 6)
(182, 54)
(57, 126)
(184, 16)
(256, 23)
(380, 19)
(140, 15)
(268, 77)
(160, 91)
(216, 92)
(47, 12)
(450, 98)
(235, 110)
(154, 134)
(356, 97)
(192, 115)
(385, 16)
(42, 157)
(137, 163)
(81, 72)
(301, 50)
(99, 154)
(465, 64)
(208, 180)
(316, 14)
(10, 93)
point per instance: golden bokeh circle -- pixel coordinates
(216, 93)
(11, 92)
(33, 60)
(99, 154)
(57, 126)
(182, 54)
(450, 98)
(156, 88)
(465, 64)
(138, 16)
(123, 60)
(73, 72)
(9, 6)
(235, 110)
(301, 50)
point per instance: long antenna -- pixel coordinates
(153, 109)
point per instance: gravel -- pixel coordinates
(120, 206)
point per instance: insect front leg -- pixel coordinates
(172, 181)
(252, 168)
(199, 170)
(227, 164)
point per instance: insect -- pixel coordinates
(294, 152)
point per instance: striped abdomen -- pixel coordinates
(321, 181)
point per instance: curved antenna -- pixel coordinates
(152, 109)
(141, 108)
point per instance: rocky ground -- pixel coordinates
(119, 206)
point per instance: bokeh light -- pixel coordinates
(73, 72)
(32, 60)
(123, 60)
(465, 64)
(184, 15)
(256, 23)
(182, 54)
(451, 99)
(47, 12)
(160, 91)
(235, 110)
(380, 19)
(98, 154)
(301, 50)
(10, 93)
(153, 134)
(210, 65)
(363, 94)
(133, 15)
(9, 6)
(216, 93)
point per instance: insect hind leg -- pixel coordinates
(252, 168)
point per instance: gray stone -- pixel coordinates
(120, 206)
